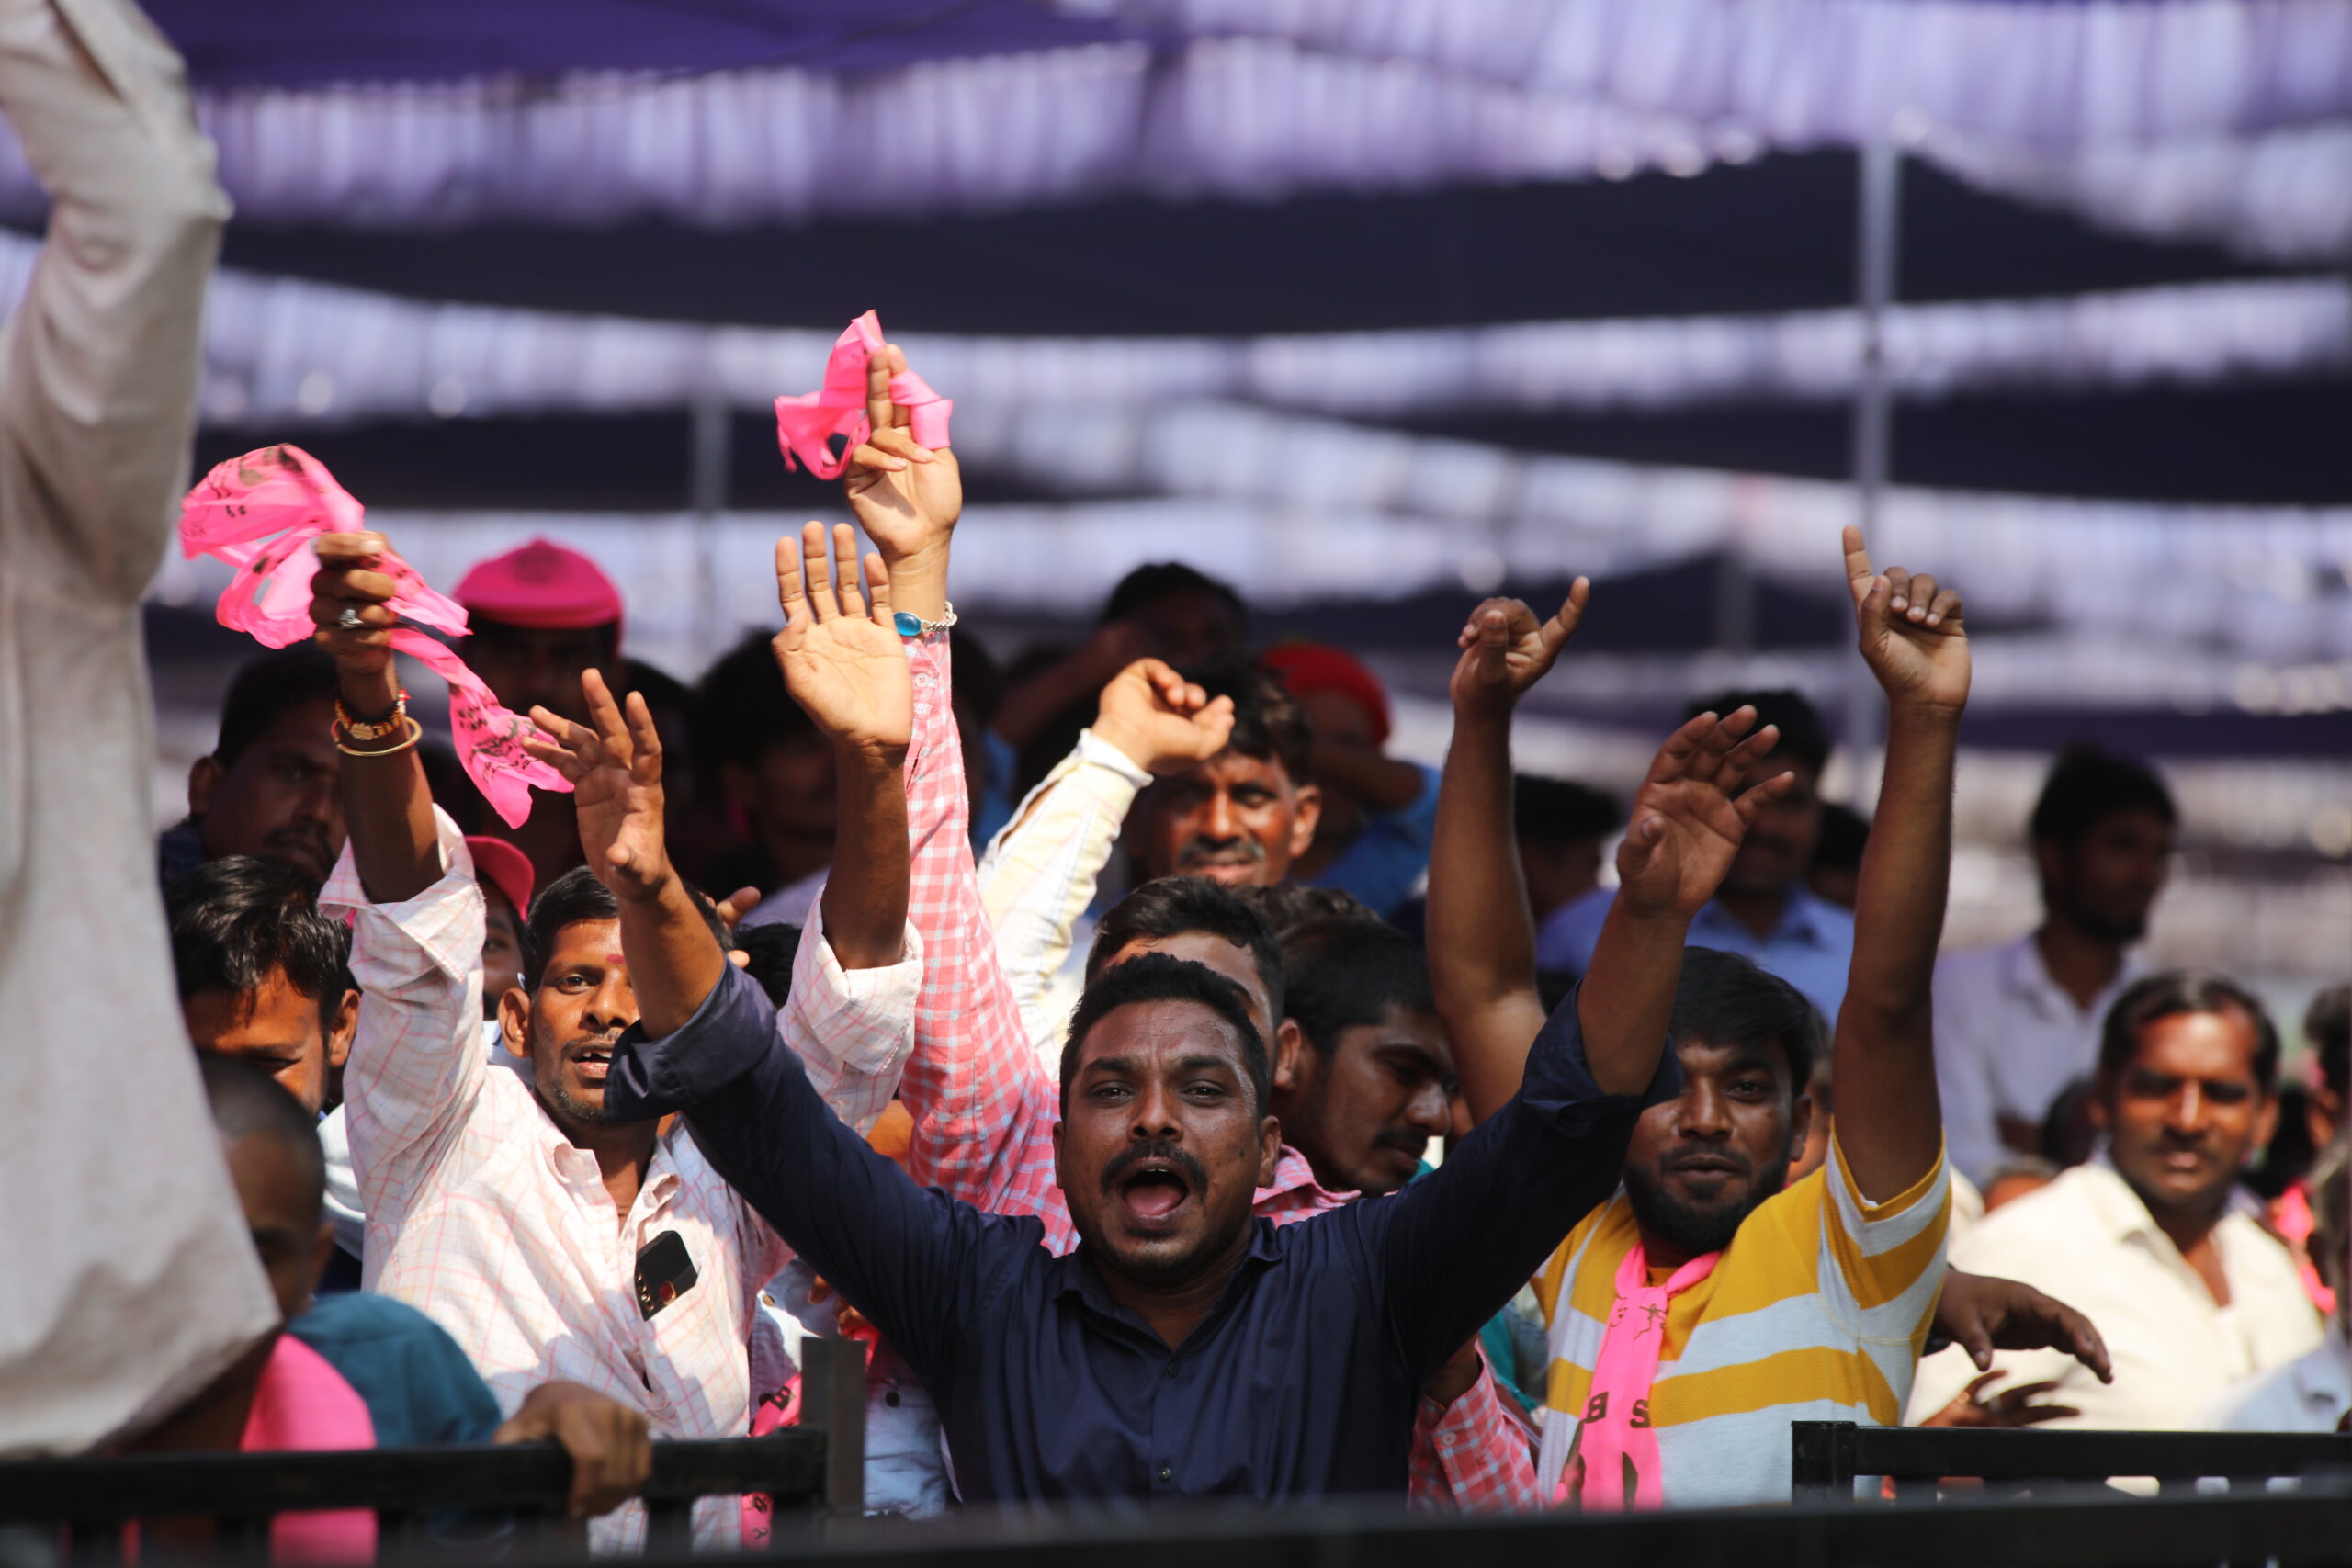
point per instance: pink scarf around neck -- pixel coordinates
(1614, 1438)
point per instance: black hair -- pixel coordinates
(1844, 833)
(576, 897)
(1724, 999)
(979, 680)
(266, 690)
(741, 707)
(2088, 784)
(2327, 1025)
(1268, 723)
(1176, 906)
(2172, 993)
(1287, 905)
(1345, 973)
(246, 1102)
(237, 920)
(1561, 811)
(1803, 737)
(1165, 580)
(771, 950)
(1156, 977)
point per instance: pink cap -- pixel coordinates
(541, 585)
(505, 867)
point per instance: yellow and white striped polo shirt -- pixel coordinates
(1817, 1312)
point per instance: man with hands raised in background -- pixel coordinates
(1803, 1301)
(550, 1241)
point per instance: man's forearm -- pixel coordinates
(387, 802)
(673, 960)
(866, 894)
(1481, 934)
(1626, 1002)
(1889, 1122)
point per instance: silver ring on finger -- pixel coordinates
(349, 620)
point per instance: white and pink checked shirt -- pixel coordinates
(984, 1107)
(482, 1214)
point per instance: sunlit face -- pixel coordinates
(281, 798)
(287, 1035)
(1700, 1163)
(569, 1025)
(2184, 1116)
(1161, 1147)
(1235, 819)
(1364, 1117)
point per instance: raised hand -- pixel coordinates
(614, 764)
(842, 660)
(1910, 631)
(907, 497)
(1163, 723)
(1506, 650)
(347, 579)
(1687, 822)
(1983, 1314)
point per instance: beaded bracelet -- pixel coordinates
(415, 733)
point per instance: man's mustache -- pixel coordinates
(1133, 1155)
(1214, 849)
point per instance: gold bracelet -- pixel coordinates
(415, 733)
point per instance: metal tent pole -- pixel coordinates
(1876, 232)
(709, 435)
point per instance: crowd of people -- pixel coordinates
(1179, 1095)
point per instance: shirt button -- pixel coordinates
(1171, 1368)
(891, 1399)
(1445, 1439)
(1166, 1473)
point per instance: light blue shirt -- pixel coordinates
(1386, 862)
(1811, 948)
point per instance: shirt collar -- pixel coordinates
(1801, 920)
(1075, 1274)
(1294, 1174)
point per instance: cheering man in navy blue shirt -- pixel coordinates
(1187, 1349)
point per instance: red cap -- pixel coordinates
(541, 585)
(505, 867)
(1308, 667)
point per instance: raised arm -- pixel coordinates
(1481, 932)
(1889, 1128)
(1459, 1242)
(387, 802)
(843, 664)
(614, 762)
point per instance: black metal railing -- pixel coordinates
(1826, 1456)
(808, 1472)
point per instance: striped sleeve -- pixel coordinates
(1882, 1263)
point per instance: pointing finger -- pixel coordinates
(1858, 564)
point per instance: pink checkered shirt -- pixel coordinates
(984, 1109)
(483, 1216)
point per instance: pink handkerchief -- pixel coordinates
(805, 424)
(259, 514)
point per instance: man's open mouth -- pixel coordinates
(1154, 1190)
(594, 1065)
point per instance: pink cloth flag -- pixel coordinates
(259, 514)
(1615, 1438)
(806, 423)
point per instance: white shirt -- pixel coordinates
(130, 1277)
(2087, 1240)
(482, 1214)
(2311, 1394)
(2009, 1038)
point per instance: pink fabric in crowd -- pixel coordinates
(1615, 1439)
(806, 423)
(259, 514)
(542, 585)
(303, 1405)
